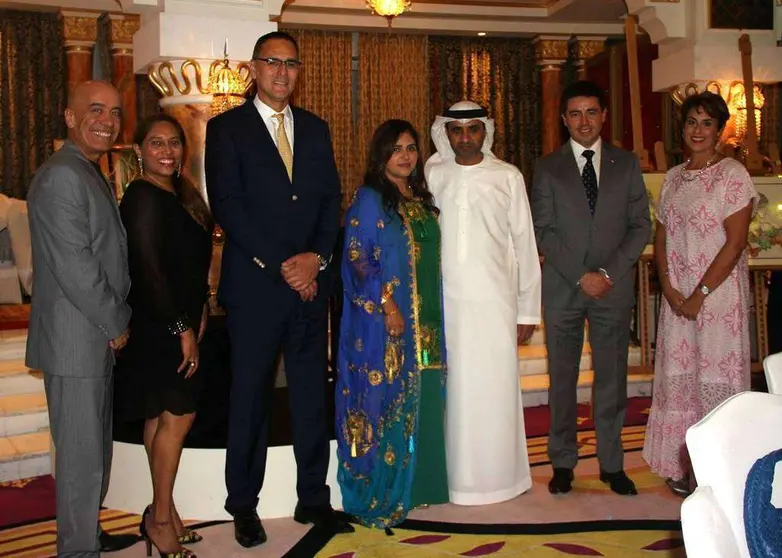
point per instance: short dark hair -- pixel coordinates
(274, 35)
(582, 89)
(710, 103)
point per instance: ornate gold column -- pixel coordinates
(122, 29)
(587, 47)
(80, 31)
(550, 54)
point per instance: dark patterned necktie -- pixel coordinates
(589, 178)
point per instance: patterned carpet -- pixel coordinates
(591, 521)
(619, 539)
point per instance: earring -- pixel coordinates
(140, 164)
(179, 170)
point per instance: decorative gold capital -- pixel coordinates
(588, 48)
(123, 27)
(550, 50)
(79, 26)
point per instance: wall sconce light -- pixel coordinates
(738, 106)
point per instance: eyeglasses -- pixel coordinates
(275, 63)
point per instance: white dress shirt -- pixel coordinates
(581, 161)
(267, 114)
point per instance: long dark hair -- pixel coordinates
(188, 195)
(380, 151)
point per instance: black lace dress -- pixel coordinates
(169, 256)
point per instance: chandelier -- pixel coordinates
(226, 86)
(388, 9)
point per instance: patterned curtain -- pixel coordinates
(500, 75)
(32, 95)
(324, 89)
(392, 83)
(147, 97)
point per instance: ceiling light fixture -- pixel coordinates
(389, 9)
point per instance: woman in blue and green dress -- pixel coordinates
(391, 360)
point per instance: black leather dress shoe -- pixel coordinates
(562, 481)
(113, 543)
(323, 517)
(248, 530)
(619, 482)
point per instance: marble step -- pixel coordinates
(24, 455)
(23, 413)
(13, 344)
(534, 388)
(16, 378)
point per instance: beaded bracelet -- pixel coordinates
(179, 326)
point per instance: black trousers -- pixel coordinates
(257, 336)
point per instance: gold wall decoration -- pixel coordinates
(189, 77)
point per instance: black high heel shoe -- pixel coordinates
(142, 528)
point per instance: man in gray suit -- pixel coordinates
(79, 315)
(591, 218)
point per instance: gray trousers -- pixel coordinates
(609, 336)
(80, 418)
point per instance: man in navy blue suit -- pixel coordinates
(274, 188)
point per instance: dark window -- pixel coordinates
(742, 14)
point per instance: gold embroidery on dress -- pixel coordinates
(354, 249)
(394, 359)
(354, 222)
(430, 346)
(345, 392)
(359, 344)
(415, 248)
(380, 224)
(375, 377)
(390, 456)
(376, 253)
(357, 433)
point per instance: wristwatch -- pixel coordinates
(605, 273)
(322, 262)
(705, 290)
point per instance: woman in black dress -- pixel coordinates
(169, 249)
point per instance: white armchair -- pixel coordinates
(723, 446)
(772, 366)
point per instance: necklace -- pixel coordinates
(693, 176)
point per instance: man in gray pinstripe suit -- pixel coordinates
(79, 315)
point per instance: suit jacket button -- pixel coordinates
(294, 197)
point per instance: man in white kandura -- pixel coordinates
(491, 293)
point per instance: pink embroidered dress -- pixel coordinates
(698, 364)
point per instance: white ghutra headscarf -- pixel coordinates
(462, 112)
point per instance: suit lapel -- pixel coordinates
(101, 183)
(569, 175)
(607, 180)
(300, 137)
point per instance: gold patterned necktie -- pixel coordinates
(283, 145)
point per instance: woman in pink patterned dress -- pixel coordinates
(703, 352)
